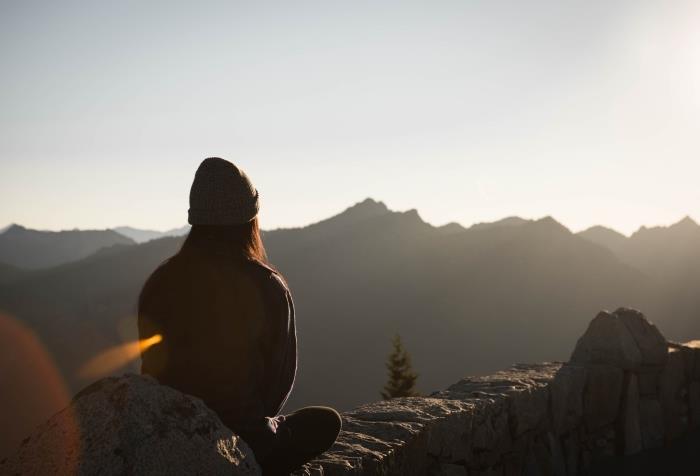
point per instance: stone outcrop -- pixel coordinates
(132, 425)
(625, 390)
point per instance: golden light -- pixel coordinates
(32, 386)
(116, 357)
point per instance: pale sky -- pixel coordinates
(469, 111)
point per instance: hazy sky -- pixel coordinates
(469, 111)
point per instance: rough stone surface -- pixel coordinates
(450, 470)
(694, 399)
(632, 428)
(695, 346)
(607, 341)
(132, 425)
(567, 397)
(649, 378)
(672, 397)
(601, 397)
(651, 419)
(649, 340)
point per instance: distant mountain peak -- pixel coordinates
(6, 227)
(13, 228)
(686, 222)
(685, 226)
(550, 223)
(451, 227)
(508, 221)
(600, 230)
(605, 237)
(367, 208)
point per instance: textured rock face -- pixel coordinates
(652, 345)
(132, 425)
(623, 339)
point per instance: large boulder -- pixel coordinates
(132, 425)
(623, 339)
(652, 344)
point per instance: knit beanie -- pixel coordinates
(221, 194)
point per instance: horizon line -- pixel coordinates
(379, 202)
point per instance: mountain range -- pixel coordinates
(465, 300)
(33, 249)
(141, 236)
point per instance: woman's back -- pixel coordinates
(223, 321)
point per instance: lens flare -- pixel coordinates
(32, 386)
(115, 357)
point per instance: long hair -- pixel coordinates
(235, 244)
(235, 241)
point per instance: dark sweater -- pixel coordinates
(229, 335)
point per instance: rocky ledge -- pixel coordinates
(625, 390)
(132, 425)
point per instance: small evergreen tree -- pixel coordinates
(402, 378)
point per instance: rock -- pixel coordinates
(132, 425)
(415, 426)
(632, 429)
(571, 452)
(376, 446)
(556, 459)
(650, 342)
(694, 398)
(566, 390)
(446, 469)
(607, 341)
(523, 387)
(671, 388)
(491, 437)
(602, 394)
(651, 422)
(695, 346)
(528, 409)
(688, 359)
(648, 380)
(604, 443)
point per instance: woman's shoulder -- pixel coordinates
(271, 278)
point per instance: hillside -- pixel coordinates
(33, 249)
(607, 237)
(669, 257)
(10, 273)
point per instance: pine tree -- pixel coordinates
(402, 378)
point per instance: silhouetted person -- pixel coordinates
(227, 321)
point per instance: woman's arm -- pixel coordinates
(279, 346)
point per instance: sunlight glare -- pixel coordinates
(116, 357)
